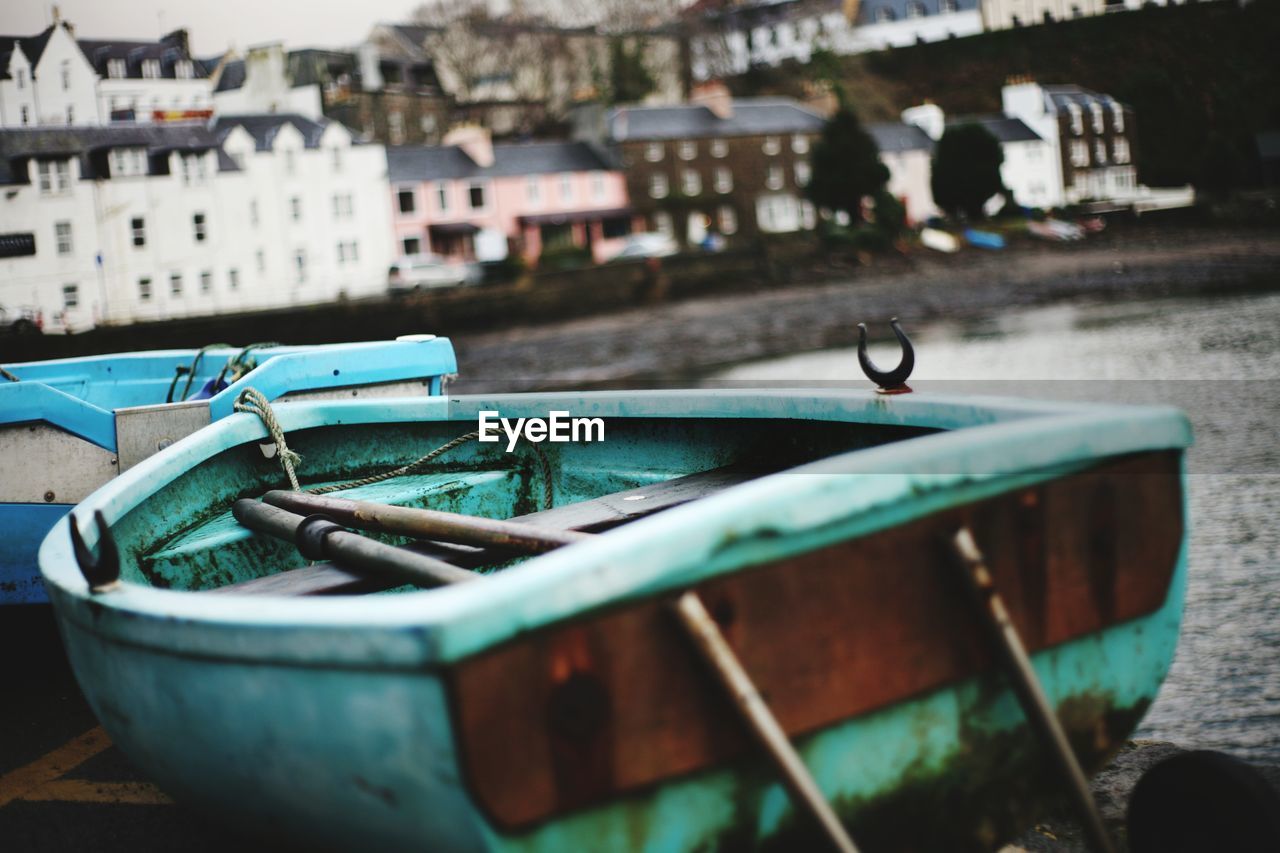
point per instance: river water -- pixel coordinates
(1219, 360)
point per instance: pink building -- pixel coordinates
(463, 200)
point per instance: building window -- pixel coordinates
(1117, 118)
(772, 145)
(773, 178)
(533, 189)
(22, 78)
(412, 245)
(719, 148)
(803, 173)
(175, 283)
(336, 153)
(947, 7)
(138, 229)
(70, 296)
(1077, 118)
(658, 185)
(300, 265)
(151, 69)
(722, 179)
(1079, 153)
(295, 208)
(653, 152)
(915, 9)
(62, 236)
(1120, 150)
(290, 161)
(183, 69)
(54, 176)
(206, 282)
(253, 211)
(233, 279)
(26, 115)
(261, 258)
(66, 75)
(442, 197)
(800, 143)
(342, 253)
(144, 290)
(566, 187)
(1099, 152)
(476, 195)
(884, 15)
(1095, 112)
(687, 150)
(597, 186)
(727, 219)
(199, 226)
(353, 252)
(395, 127)
(690, 182)
(662, 223)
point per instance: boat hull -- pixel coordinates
(343, 722)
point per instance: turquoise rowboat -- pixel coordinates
(555, 703)
(69, 425)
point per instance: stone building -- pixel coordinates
(735, 167)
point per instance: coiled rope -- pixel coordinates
(255, 402)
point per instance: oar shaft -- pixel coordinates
(350, 550)
(428, 523)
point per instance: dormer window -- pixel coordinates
(116, 69)
(947, 7)
(54, 176)
(184, 70)
(22, 78)
(1077, 118)
(1117, 118)
(151, 69)
(1095, 111)
(719, 148)
(688, 150)
(884, 15)
(126, 162)
(66, 75)
(915, 9)
(772, 145)
(653, 152)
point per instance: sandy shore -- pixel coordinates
(667, 342)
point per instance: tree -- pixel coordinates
(629, 79)
(966, 170)
(846, 166)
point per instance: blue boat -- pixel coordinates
(69, 425)
(568, 700)
(983, 239)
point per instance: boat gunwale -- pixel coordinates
(1017, 443)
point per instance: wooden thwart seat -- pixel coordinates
(592, 515)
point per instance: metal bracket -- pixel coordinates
(103, 571)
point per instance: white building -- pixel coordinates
(1003, 14)
(54, 79)
(907, 151)
(732, 39)
(133, 222)
(1031, 170)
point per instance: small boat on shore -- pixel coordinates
(69, 425)
(836, 556)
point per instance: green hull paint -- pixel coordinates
(326, 719)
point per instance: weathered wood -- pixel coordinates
(581, 712)
(591, 515)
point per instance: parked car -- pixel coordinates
(647, 245)
(21, 321)
(419, 272)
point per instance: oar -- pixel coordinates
(428, 523)
(318, 538)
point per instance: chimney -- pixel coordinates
(928, 117)
(715, 96)
(474, 140)
(180, 39)
(370, 67)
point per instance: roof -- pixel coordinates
(1060, 97)
(869, 12)
(32, 48)
(895, 137)
(419, 163)
(263, 127)
(232, 76)
(25, 143)
(751, 117)
(1003, 128)
(169, 50)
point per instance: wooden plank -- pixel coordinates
(591, 515)
(611, 702)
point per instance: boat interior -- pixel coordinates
(186, 537)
